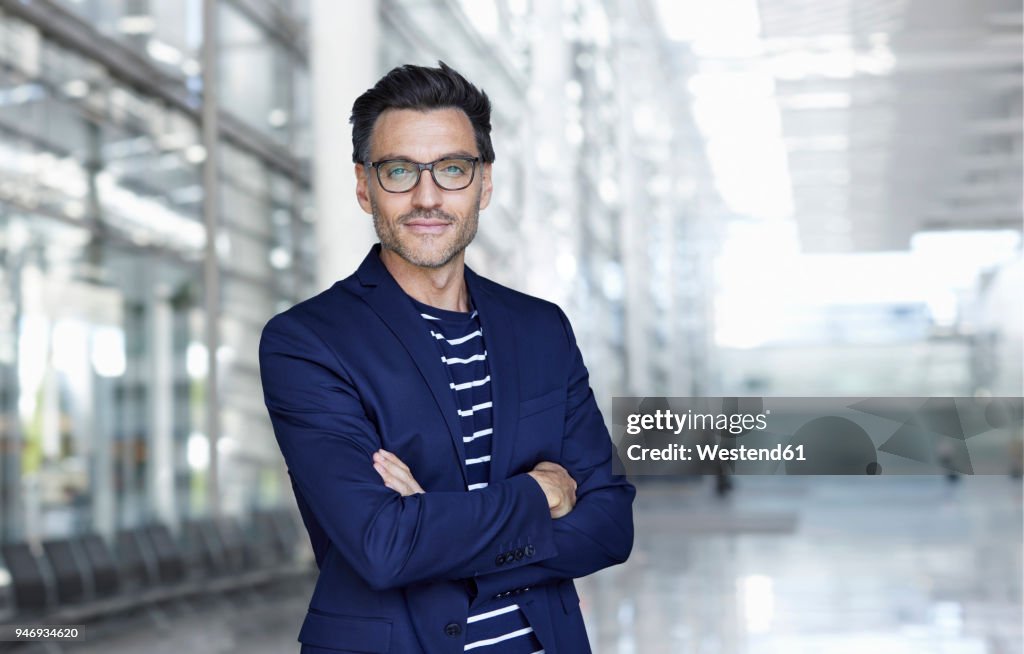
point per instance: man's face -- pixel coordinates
(427, 226)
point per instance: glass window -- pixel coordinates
(254, 76)
(103, 365)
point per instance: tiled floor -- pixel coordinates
(877, 565)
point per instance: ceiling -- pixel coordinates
(865, 121)
(908, 116)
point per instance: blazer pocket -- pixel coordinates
(541, 402)
(346, 634)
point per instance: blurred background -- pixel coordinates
(745, 197)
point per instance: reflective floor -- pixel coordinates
(827, 564)
(795, 565)
(256, 622)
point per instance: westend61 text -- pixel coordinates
(716, 453)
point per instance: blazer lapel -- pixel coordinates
(389, 301)
(502, 355)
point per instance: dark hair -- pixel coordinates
(423, 89)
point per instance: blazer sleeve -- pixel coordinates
(598, 532)
(328, 442)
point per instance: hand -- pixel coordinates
(395, 473)
(559, 488)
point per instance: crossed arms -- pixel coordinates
(558, 486)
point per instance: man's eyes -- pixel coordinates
(447, 168)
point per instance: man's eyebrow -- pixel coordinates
(446, 155)
(458, 153)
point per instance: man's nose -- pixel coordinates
(426, 195)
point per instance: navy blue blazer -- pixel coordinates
(353, 369)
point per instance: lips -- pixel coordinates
(427, 226)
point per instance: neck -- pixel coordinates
(444, 287)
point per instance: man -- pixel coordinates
(445, 449)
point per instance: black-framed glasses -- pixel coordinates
(402, 175)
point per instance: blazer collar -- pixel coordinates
(391, 303)
(371, 272)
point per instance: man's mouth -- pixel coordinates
(426, 226)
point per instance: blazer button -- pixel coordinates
(530, 549)
(500, 559)
(520, 552)
(453, 629)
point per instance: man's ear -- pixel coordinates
(362, 189)
(488, 187)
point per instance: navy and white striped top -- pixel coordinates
(499, 626)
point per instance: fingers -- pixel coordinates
(565, 505)
(392, 481)
(388, 456)
(395, 473)
(559, 471)
(560, 511)
(550, 466)
(559, 488)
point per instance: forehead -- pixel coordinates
(422, 135)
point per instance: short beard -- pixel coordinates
(388, 234)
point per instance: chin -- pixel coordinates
(426, 257)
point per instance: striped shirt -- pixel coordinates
(499, 626)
